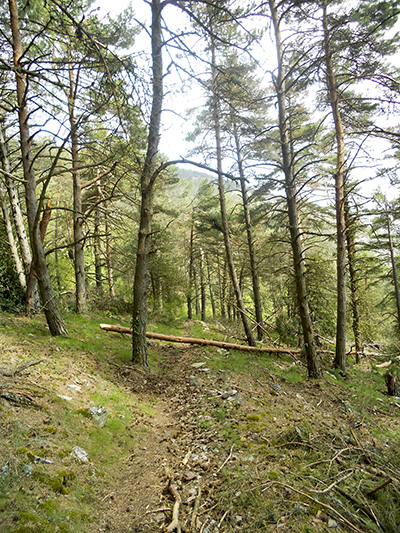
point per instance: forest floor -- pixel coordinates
(234, 442)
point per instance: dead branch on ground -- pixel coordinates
(12, 372)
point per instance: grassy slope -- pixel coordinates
(301, 456)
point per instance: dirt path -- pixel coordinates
(173, 447)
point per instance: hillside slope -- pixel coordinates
(234, 442)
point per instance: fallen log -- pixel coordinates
(203, 342)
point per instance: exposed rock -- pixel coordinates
(80, 454)
(99, 415)
(228, 394)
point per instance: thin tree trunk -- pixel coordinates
(221, 285)
(56, 232)
(11, 240)
(32, 302)
(313, 362)
(351, 254)
(202, 287)
(15, 205)
(222, 201)
(189, 295)
(96, 242)
(139, 346)
(212, 300)
(110, 270)
(340, 357)
(79, 258)
(393, 263)
(53, 315)
(250, 239)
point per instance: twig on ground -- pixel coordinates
(226, 460)
(193, 522)
(386, 482)
(174, 525)
(223, 518)
(324, 505)
(333, 485)
(12, 372)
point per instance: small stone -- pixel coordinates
(74, 387)
(5, 470)
(27, 469)
(99, 415)
(67, 398)
(197, 365)
(229, 393)
(80, 454)
(194, 381)
(239, 519)
(332, 523)
(160, 517)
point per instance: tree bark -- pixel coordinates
(189, 295)
(139, 347)
(340, 178)
(212, 300)
(11, 240)
(202, 287)
(52, 313)
(110, 270)
(15, 205)
(393, 263)
(96, 242)
(250, 239)
(222, 201)
(79, 258)
(354, 282)
(313, 362)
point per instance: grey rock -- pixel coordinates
(27, 469)
(5, 470)
(80, 454)
(99, 415)
(194, 381)
(332, 523)
(197, 365)
(228, 394)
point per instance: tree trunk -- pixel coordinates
(340, 357)
(15, 205)
(212, 300)
(393, 263)
(110, 270)
(250, 239)
(189, 295)
(139, 347)
(10, 237)
(222, 201)
(53, 315)
(96, 242)
(313, 362)
(56, 233)
(221, 290)
(351, 254)
(202, 287)
(79, 258)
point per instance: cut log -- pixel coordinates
(203, 342)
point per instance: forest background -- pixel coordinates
(291, 233)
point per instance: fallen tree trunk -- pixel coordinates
(203, 342)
